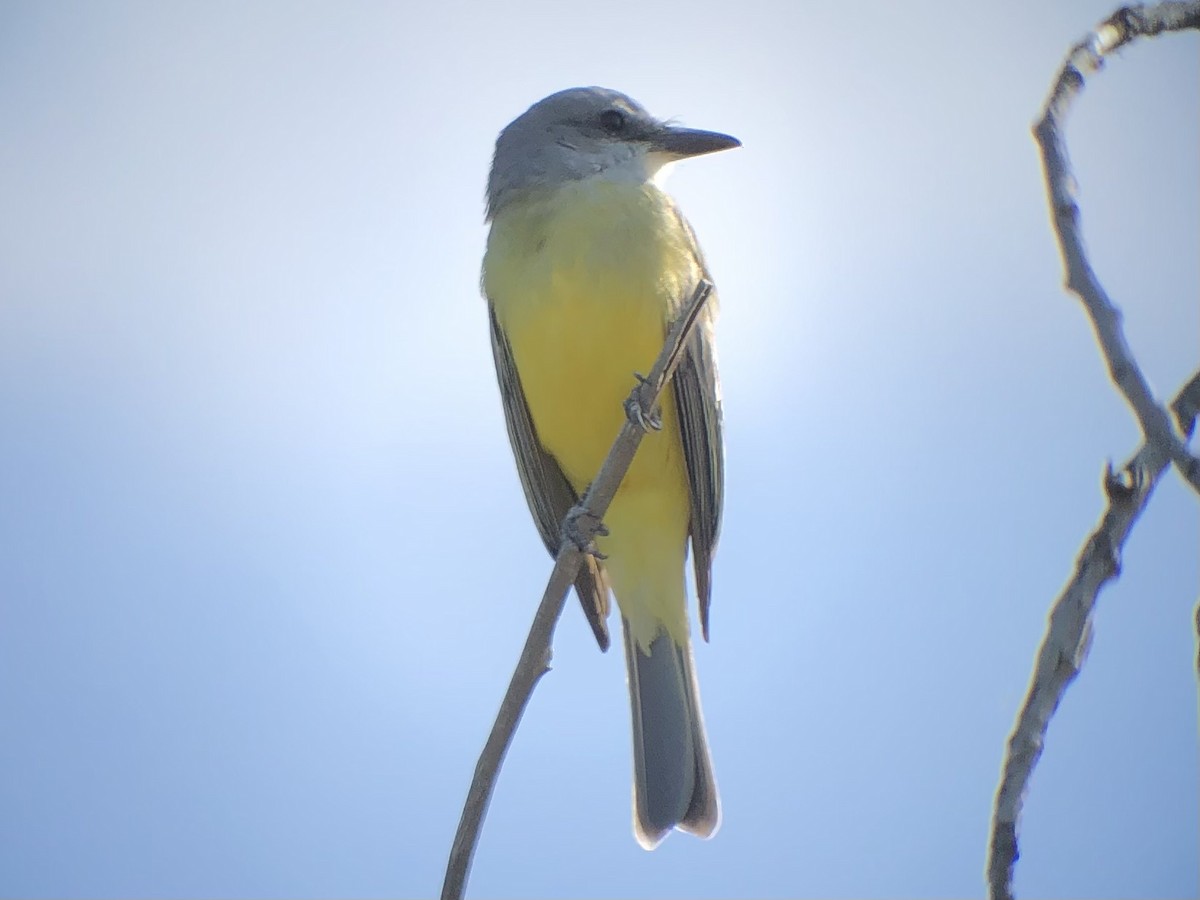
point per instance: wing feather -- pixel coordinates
(698, 399)
(547, 491)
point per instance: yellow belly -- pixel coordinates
(584, 282)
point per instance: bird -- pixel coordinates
(588, 260)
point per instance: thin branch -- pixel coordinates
(1197, 619)
(1087, 57)
(1186, 406)
(1065, 645)
(1068, 633)
(535, 657)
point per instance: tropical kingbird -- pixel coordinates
(588, 261)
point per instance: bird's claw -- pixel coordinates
(647, 421)
(581, 527)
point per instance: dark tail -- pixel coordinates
(673, 783)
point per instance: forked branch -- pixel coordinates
(1165, 437)
(1086, 58)
(1068, 635)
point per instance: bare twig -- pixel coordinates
(1197, 620)
(535, 657)
(1186, 406)
(1087, 57)
(1066, 643)
(1068, 634)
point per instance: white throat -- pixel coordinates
(631, 163)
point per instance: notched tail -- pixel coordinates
(673, 784)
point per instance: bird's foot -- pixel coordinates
(634, 411)
(581, 527)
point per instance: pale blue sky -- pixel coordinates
(265, 565)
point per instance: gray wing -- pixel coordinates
(547, 491)
(698, 398)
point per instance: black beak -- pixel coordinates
(683, 142)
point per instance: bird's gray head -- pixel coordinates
(581, 132)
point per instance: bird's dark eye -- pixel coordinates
(612, 121)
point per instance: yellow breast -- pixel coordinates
(584, 282)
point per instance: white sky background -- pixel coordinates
(264, 561)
